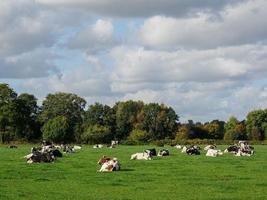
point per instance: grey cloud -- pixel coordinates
(139, 8)
(28, 65)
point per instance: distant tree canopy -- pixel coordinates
(62, 118)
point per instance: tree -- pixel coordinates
(57, 130)
(127, 116)
(26, 117)
(101, 115)
(96, 134)
(215, 129)
(256, 123)
(159, 121)
(138, 136)
(7, 113)
(183, 133)
(65, 105)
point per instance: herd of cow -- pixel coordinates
(240, 149)
(48, 152)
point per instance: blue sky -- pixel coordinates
(207, 60)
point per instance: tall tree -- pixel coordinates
(256, 123)
(7, 113)
(27, 110)
(159, 121)
(70, 106)
(127, 117)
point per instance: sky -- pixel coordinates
(206, 59)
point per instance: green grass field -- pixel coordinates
(178, 176)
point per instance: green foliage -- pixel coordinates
(182, 133)
(138, 136)
(101, 115)
(57, 130)
(96, 134)
(255, 134)
(68, 105)
(127, 117)
(215, 129)
(256, 124)
(159, 121)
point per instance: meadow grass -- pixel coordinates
(178, 176)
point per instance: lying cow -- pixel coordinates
(96, 146)
(141, 156)
(214, 153)
(184, 149)
(232, 149)
(193, 150)
(109, 165)
(12, 147)
(164, 152)
(178, 146)
(71, 149)
(244, 152)
(211, 146)
(152, 152)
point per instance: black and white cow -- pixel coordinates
(151, 152)
(163, 152)
(193, 150)
(232, 149)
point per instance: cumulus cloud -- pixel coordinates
(85, 80)
(24, 26)
(134, 66)
(205, 59)
(235, 25)
(139, 8)
(97, 37)
(32, 64)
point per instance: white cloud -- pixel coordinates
(97, 37)
(137, 66)
(239, 24)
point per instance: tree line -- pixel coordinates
(64, 118)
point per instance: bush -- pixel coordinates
(96, 134)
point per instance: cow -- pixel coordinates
(193, 150)
(164, 152)
(96, 146)
(232, 149)
(56, 153)
(152, 152)
(244, 152)
(141, 156)
(211, 146)
(109, 165)
(114, 142)
(184, 149)
(12, 147)
(38, 157)
(214, 153)
(178, 146)
(70, 149)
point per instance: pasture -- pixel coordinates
(178, 176)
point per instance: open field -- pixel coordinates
(178, 176)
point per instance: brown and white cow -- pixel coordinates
(108, 164)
